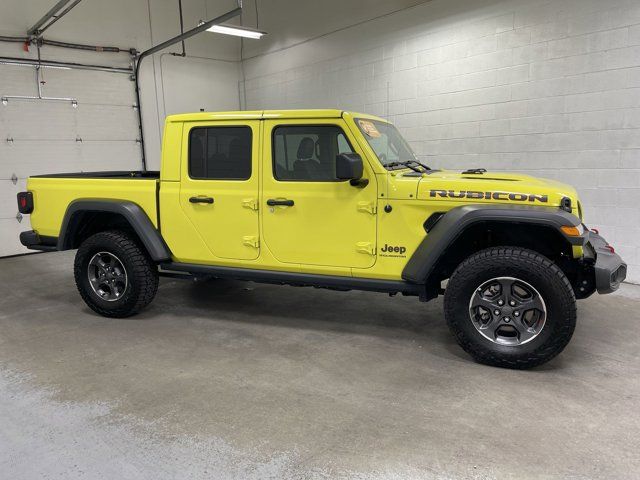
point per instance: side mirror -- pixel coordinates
(349, 166)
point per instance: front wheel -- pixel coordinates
(510, 307)
(115, 277)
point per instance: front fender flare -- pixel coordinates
(452, 224)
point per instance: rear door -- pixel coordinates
(317, 219)
(219, 186)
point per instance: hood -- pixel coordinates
(494, 187)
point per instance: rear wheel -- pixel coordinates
(114, 275)
(510, 307)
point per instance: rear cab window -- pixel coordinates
(220, 153)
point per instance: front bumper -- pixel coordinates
(609, 269)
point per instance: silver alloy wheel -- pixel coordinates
(508, 311)
(107, 276)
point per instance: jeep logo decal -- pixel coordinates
(514, 197)
(391, 250)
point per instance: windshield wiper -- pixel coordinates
(408, 164)
(426, 167)
(414, 165)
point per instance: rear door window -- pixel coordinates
(220, 153)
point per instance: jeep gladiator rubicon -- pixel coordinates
(337, 200)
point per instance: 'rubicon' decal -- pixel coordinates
(514, 197)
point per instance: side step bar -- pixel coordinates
(297, 279)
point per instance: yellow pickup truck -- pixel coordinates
(338, 200)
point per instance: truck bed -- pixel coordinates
(154, 175)
(52, 194)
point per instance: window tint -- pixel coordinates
(221, 153)
(308, 153)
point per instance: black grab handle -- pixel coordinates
(272, 202)
(201, 200)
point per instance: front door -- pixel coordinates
(310, 217)
(219, 186)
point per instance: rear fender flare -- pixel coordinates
(135, 216)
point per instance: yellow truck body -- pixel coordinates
(331, 199)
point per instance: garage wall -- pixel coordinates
(550, 88)
(102, 132)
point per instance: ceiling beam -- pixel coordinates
(38, 26)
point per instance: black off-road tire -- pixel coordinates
(531, 267)
(141, 272)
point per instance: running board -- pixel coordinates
(298, 279)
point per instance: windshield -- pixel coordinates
(386, 142)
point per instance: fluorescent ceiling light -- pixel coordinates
(237, 31)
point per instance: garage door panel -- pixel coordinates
(16, 80)
(9, 236)
(107, 122)
(54, 121)
(84, 85)
(25, 158)
(90, 87)
(37, 158)
(42, 120)
(8, 192)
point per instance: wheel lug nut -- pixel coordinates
(512, 303)
(506, 319)
(496, 312)
(500, 302)
(517, 314)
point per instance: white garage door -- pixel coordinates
(38, 136)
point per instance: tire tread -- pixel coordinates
(529, 259)
(143, 272)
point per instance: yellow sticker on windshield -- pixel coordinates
(369, 128)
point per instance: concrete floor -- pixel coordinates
(229, 380)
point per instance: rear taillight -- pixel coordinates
(25, 202)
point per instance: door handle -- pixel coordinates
(208, 200)
(272, 202)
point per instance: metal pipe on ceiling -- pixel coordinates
(76, 46)
(184, 50)
(55, 64)
(179, 38)
(13, 39)
(50, 14)
(93, 48)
